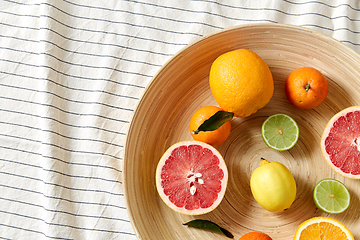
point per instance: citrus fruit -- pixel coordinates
(331, 196)
(306, 87)
(273, 186)
(322, 228)
(191, 177)
(214, 138)
(340, 142)
(255, 236)
(280, 132)
(241, 82)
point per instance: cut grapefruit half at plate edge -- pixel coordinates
(340, 142)
(191, 177)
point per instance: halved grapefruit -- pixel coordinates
(340, 142)
(191, 177)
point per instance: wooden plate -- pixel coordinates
(181, 86)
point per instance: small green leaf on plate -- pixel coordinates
(214, 122)
(208, 225)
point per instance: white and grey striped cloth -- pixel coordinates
(71, 74)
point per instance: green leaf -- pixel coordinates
(214, 122)
(208, 225)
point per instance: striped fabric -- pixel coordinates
(71, 74)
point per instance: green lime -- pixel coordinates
(280, 132)
(331, 196)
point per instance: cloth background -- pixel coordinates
(71, 74)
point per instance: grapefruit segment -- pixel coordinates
(340, 142)
(191, 177)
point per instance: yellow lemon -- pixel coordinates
(241, 82)
(273, 186)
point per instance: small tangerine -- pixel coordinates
(214, 138)
(306, 87)
(255, 236)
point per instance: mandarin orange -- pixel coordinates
(306, 87)
(214, 138)
(255, 236)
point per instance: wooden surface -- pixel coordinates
(181, 87)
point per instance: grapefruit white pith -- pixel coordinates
(191, 177)
(340, 142)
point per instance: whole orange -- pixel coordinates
(255, 236)
(214, 138)
(306, 87)
(241, 82)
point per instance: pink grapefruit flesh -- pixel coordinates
(340, 142)
(191, 177)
